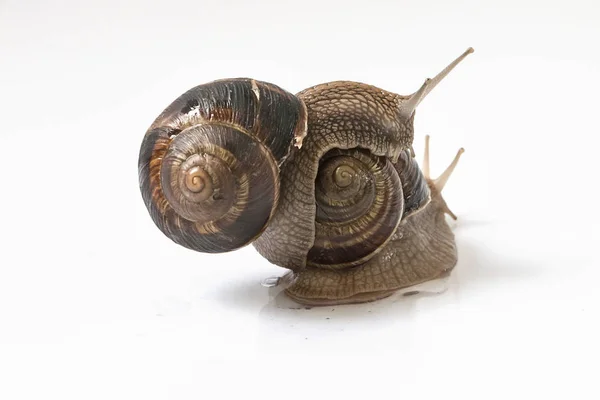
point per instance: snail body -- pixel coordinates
(323, 183)
(421, 249)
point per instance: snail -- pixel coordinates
(323, 183)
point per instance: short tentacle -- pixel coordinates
(439, 183)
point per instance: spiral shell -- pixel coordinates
(209, 165)
(359, 206)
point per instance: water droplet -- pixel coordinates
(271, 281)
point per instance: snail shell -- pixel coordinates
(358, 198)
(209, 164)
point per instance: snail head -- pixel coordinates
(410, 103)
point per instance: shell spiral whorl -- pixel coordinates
(359, 206)
(209, 165)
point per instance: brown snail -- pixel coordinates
(323, 183)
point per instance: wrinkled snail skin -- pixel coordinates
(209, 164)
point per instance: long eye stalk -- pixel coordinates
(415, 99)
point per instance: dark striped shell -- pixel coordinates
(209, 164)
(359, 206)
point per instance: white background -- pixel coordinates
(95, 303)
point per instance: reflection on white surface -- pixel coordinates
(271, 281)
(279, 299)
(283, 321)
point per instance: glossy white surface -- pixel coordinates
(95, 303)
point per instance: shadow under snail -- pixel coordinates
(323, 183)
